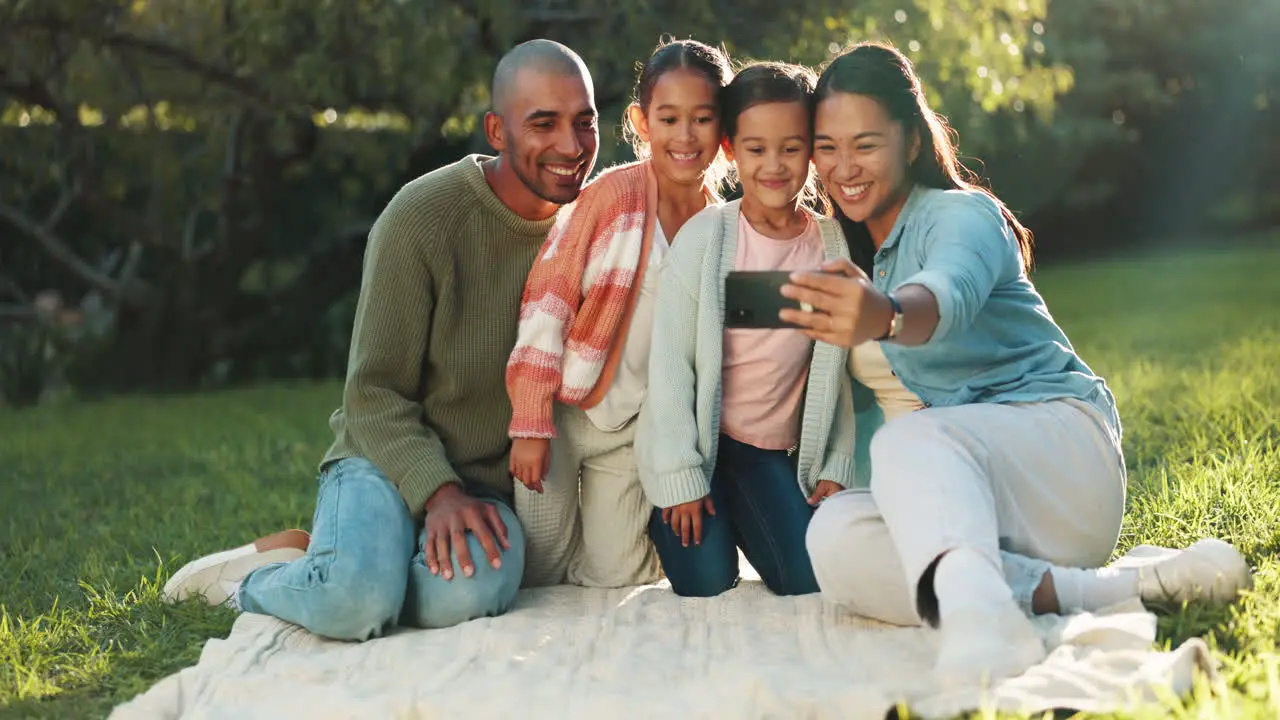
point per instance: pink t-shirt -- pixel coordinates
(765, 370)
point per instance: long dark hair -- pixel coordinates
(709, 62)
(757, 83)
(879, 71)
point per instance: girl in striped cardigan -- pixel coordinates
(579, 371)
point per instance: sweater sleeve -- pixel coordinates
(388, 344)
(552, 297)
(671, 465)
(838, 456)
(968, 248)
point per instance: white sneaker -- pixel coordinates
(216, 578)
(1209, 570)
(981, 646)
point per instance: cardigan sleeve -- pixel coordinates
(552, 297)
(670, 462)
(838, 457)
(388, 345)
(968, 249)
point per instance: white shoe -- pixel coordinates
(1209, 570)
(216, 577)
(981, 646)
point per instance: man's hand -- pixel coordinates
(824, 490)
(686, 519)
(451, 514)
(530, 461)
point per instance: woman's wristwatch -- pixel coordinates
(895, 323)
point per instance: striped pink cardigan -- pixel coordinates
(579, 298)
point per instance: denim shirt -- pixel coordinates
(995, 340)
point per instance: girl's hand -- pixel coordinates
(847, 309)
(824, 490)
(685, 519)
(530, 461)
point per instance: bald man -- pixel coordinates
(413, 524)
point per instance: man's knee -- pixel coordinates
(434, 602)
(353, 577)
(355, 603)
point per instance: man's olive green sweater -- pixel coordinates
(439, 304)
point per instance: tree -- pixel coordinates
(1165, 130)
(209, 170)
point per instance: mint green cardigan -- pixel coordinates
(678, 430)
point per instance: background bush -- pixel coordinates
(207, 172)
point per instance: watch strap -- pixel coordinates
(895, 322)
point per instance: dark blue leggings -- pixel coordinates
(760, 508)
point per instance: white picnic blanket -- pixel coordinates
(569, 652)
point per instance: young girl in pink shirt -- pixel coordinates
(735, 444)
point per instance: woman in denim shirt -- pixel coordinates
(998, 482)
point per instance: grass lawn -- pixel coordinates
(100, 502)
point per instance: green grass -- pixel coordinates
(100, 502)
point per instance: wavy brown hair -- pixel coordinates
(881, 72)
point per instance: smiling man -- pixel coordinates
(413, 524)
(539, 90)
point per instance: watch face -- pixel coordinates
(895, 325)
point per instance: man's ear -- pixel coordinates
(638, 121)
(494, 131)
(728, 149)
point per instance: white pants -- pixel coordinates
(589, 526)
(1027, 485)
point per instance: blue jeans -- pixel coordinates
(760, 508)
(364, 569)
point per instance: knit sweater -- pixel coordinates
(679, 428)
(579, 298)
(434, 326)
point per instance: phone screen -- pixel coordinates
(753, 298)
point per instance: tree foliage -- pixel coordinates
(200, 176)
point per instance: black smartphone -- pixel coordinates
(753, 298)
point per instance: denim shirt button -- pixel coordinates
(881, 273)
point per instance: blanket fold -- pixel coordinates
(567, 652)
